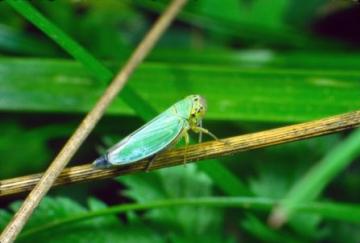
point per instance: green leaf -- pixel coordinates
(262, 232)
(64, 86)
(24, 149)
(187, 222)
(15, 41)
(261, 58)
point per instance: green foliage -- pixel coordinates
(187, 223)
(178, 208)
(178, 224)
(316, 179)
(99, 229)
(244, 21)
(263, 232)
(260, 64)
(145, 111)
(33, 145)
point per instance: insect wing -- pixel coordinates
(148, 140)
(183, 107)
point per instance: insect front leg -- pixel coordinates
(203, 130)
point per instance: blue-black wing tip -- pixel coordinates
(101, 162)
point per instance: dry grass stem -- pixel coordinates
(195, 152)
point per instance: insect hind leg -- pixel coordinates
(150, 162)
(187, 141)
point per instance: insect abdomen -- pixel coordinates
(102, 162)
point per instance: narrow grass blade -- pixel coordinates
(98, 70)
(311, 185)
(301, 95)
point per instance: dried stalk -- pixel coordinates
(195, 152)
(47, 179)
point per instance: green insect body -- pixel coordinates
(159, 133)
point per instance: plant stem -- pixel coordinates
(347, 212)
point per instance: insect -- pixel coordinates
(160, 133)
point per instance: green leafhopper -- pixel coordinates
(160, 133)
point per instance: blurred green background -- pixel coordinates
(260, 64)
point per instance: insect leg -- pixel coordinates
(203, 130)
(149, 163)
(200, 133)
(187, 140)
